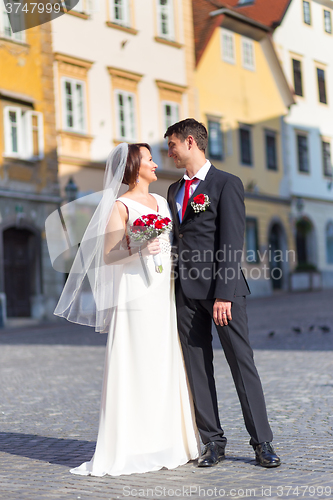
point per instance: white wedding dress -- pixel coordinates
(147, 417)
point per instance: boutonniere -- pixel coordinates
(200, 203)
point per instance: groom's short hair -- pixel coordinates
(187, 127)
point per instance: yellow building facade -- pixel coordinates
(129, 85)
(28, 172)
(242, 98)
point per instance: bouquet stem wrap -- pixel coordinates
(158, 263)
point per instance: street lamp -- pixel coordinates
(71, 190)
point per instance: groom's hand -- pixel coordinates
(222, 312)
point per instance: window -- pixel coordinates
(251, 240)
(327, 162)
(303, 153)
(215, 140)
(170, 113)
(327, 21)
(73, 105)
(245, 145)
(228, 46)
(321, 85)
(17, 20)
(306, 12)
(271, 156)
(119, 12)
(165, 19)
(248, 54)
(329, 242)
(23, 133)
(297, 77)
(125, 105)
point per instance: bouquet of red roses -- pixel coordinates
(149, 227)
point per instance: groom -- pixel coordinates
(208, 239)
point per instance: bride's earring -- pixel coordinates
(137, 179)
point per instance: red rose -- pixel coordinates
(166, 220)
(200, 199)
(151, 216)
(159, 224)
(138, 222)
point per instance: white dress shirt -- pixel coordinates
(199, 176)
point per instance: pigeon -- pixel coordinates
(325, 329)
(271, 334)
(297, 329)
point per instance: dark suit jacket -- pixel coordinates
(209, 244)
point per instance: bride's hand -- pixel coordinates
(153, 247)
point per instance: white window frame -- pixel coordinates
(328, 21)
(249, 65)
(125, 7)
(225, 49)
(168, 11)
(327, 173)
(306, 135)
(28, 129)
(5, 27)
(129, 115)
(307, 13)
(24, 133)
(215, 140)
(8, 132)
(76, 127)
(328, 238)
(174, 106)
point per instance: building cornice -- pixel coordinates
(75, 61)
(268, 198)
(24, 195)
(171, 86)
(123, 73)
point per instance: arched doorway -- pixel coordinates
(21, 269)
(278, 246)
(305, 245)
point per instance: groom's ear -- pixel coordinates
(190, 141)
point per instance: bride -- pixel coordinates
(146, 414)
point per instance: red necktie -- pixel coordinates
(187, 195)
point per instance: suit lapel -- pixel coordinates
(173, 205)
(200, 190)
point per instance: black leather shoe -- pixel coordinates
(266, 456)
(211, 455)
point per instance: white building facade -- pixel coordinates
(123, 72)
(304, 42)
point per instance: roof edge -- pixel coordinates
(228, 12)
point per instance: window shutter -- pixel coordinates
(33, 128)
(125, 105)
(321, 85)
(13, 131)
(165, 19)
(298, 87)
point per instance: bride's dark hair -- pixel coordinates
(134, 158)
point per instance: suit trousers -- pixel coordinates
(195, 331)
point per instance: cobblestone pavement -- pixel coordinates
(50, 381)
